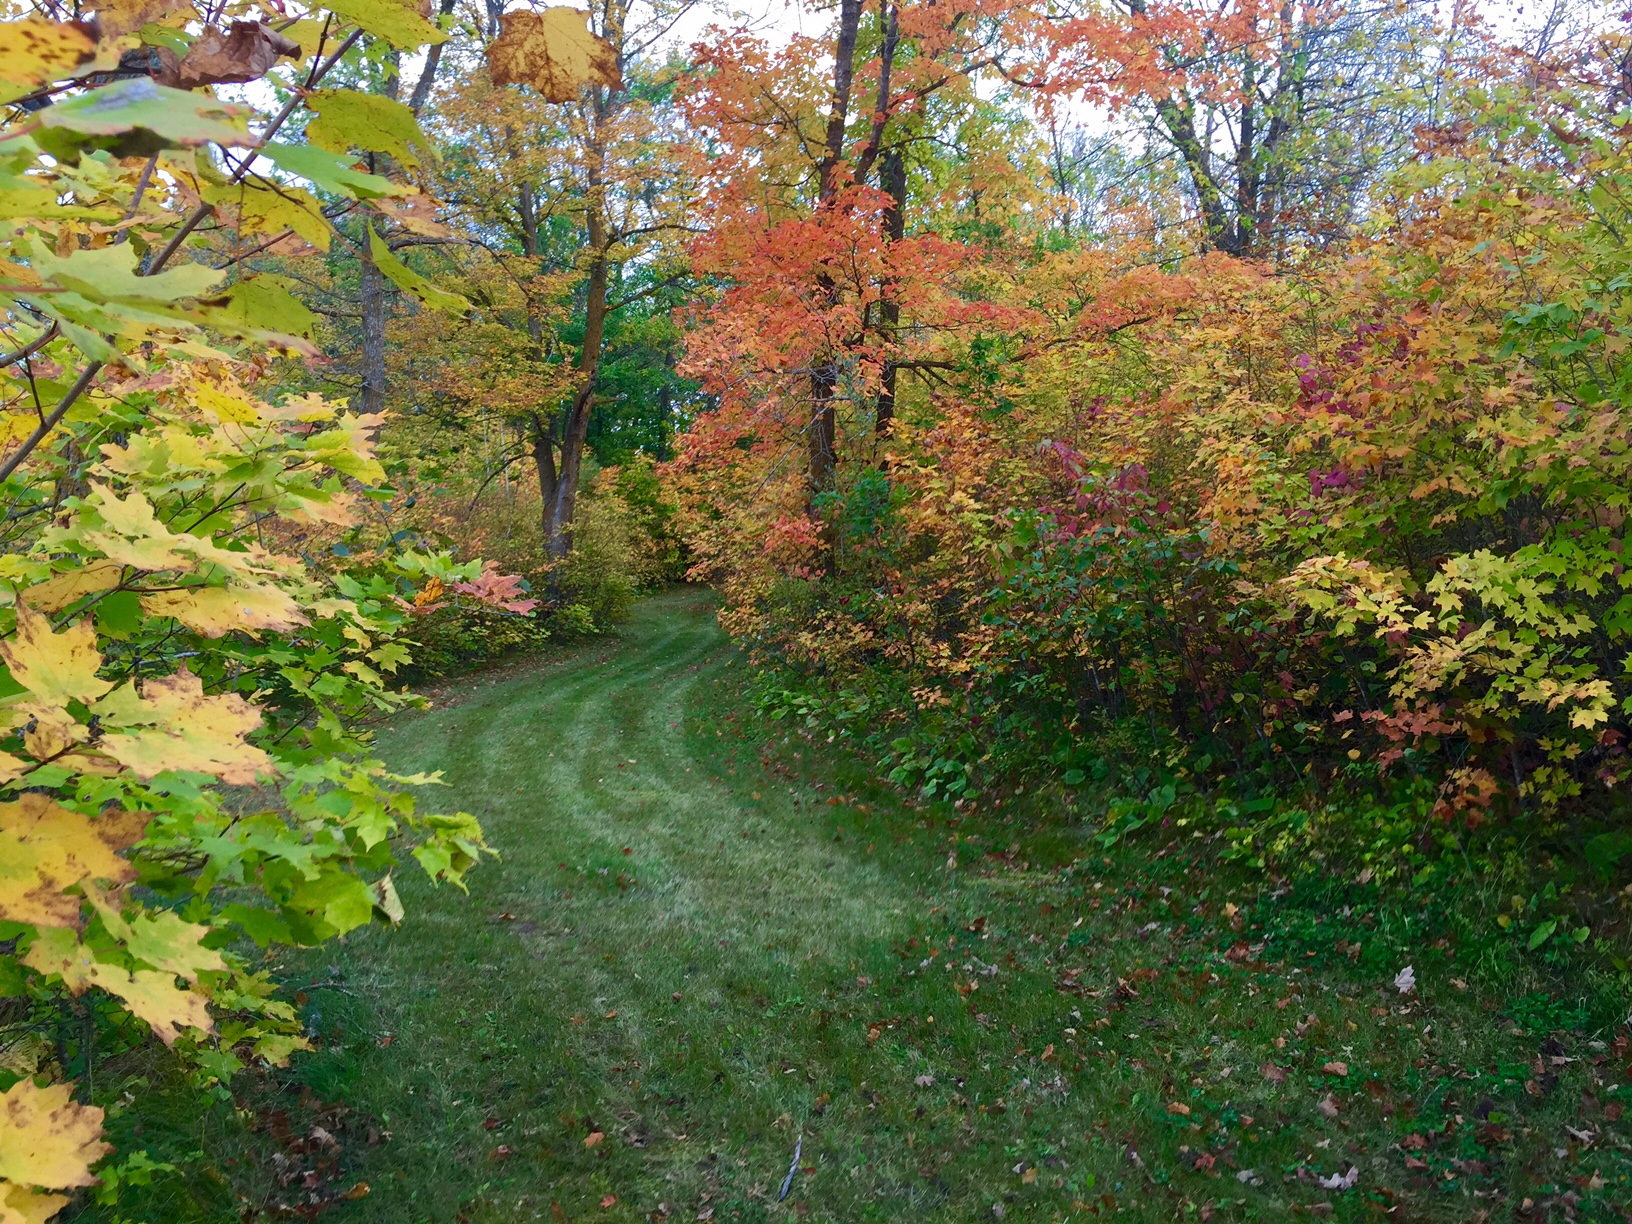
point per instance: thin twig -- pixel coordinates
(33, 346)
(136, 199)
(787, 1182)
(50, 422)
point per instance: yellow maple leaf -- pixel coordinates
(45, 848)
(263, 211)
(303, 408)
(57, 951)
(47, 1138)
(151, 994)
(56, 667)
(116, 17)
(55, 594)
(136, 537)
(154, 996)
(174, 724)
(224, 405)
(11, 767)
(552, 51)
(38, 51)
(21, 1205)
(50, 731)
(214, 611)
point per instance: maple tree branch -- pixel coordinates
(250, 254)
(666, 283)
(427, 75)
(521, 454)
(32, 347)
(50, 422)
(203, 210)
(881, 113)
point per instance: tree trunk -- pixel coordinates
(427, 75)
(558, 511)
(539, 430)
(374, 299)
(893, 178)
(375, 303)
(821, 434)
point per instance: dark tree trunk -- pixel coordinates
(375, 302)
(558, 511)
(821, 433)
(893, 178)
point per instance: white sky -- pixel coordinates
(778, 20)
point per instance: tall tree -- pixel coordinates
(1282, 116)
(590, 185)
(811, 155)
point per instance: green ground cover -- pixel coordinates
(712, 941)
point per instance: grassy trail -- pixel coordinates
(708, 941)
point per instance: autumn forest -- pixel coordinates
(864, 610)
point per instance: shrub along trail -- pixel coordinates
(711, 942)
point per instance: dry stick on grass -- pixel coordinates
(203, 210)
(787, 1182)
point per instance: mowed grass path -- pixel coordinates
(709, 940)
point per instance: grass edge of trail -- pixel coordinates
(1036, 1031)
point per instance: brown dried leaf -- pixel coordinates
(244, 53)
(552, 51)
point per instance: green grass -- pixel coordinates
(710, 938)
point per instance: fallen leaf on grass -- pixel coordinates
(1273, 1074)
(925, 1081)
(1341, 1181)
(594, 1137)
(1336, 1068)
(1414, 1142)
(1405, 981)
(1328, 1106)
(1179, 1108)
(386, 1042)
(360, 1190)
(502, 1152)
(1415, 1164)
(609, 1200)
